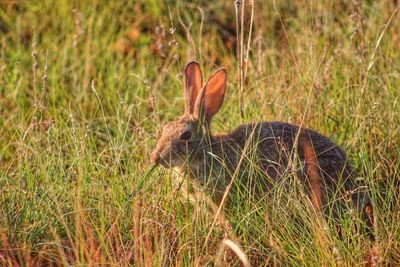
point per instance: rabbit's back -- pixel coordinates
(284, 149)
(282, 144)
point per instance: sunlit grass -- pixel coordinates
(76, 183)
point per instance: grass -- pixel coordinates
(85, 88)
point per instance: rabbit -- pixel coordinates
(189, 145)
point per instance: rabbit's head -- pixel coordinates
(182, 139)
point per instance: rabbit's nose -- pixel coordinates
(155, 156)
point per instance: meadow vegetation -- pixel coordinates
(86, 85)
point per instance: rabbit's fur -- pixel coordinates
(212, 159)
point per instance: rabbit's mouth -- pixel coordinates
(167, 161)
(156, 158)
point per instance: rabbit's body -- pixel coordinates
(276, 149)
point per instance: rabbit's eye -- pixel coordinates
(186, 135)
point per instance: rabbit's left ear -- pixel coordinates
(211, 97)
(192, 85)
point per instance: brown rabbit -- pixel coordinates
(212, 159)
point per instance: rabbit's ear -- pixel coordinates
(210, 99)
(192, 85)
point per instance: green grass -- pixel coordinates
(79, 118)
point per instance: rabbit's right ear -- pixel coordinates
(192, 85)
(211, 97)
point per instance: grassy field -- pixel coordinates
(85, 87)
